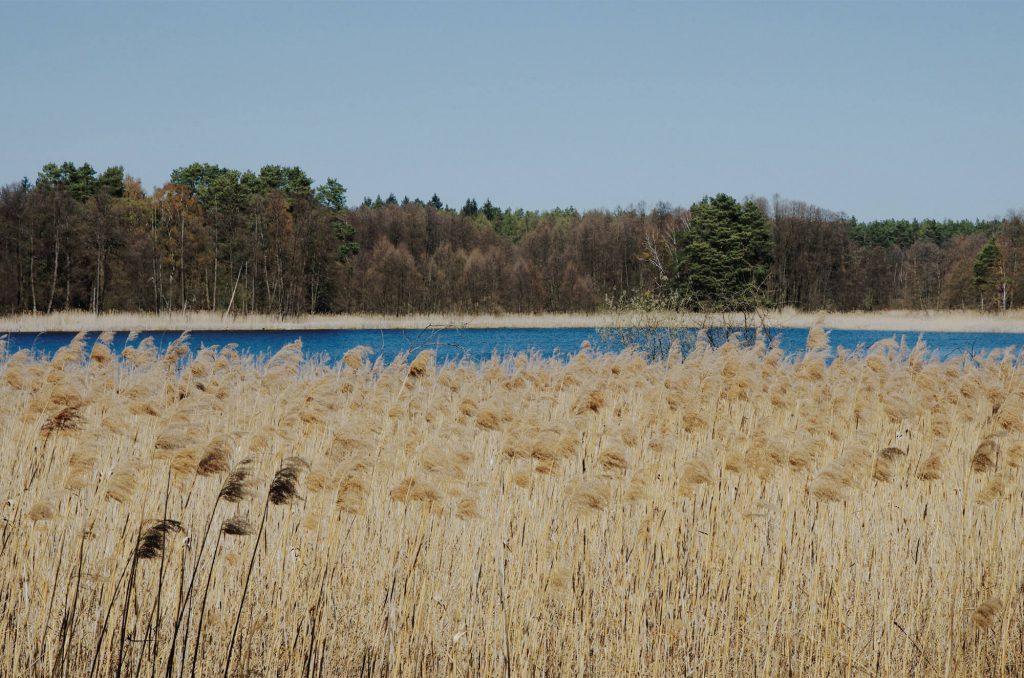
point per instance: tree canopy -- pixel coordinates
(987, 276)
(723, 254)
(82, 182)
(273, 240)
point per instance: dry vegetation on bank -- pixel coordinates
(886, 321)
(733, 513)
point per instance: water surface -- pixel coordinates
(477, 344)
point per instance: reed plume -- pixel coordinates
(41, 510)
(415, 489)
(239, 485)
(994, 488)
(355, 358)
(588, 495)
(237, 527)
(817, 339)
(154, 539)
(834, 482)
(931, 469)
(285, 483)
(613, 460)
(488, 419)
(422, 364)
(122, 483)
(352, 488)
(101, 353)
(216, 459)
(987, 613)
(984, 458)
(696, 471)
(467, 508)
(590, 401)
(484, 515)
(67, 419)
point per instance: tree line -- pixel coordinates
(215, 238)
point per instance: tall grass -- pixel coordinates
(732, 513)
(889, 321)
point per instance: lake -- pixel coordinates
(477, 344)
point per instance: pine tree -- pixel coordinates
(723, 255)
(491, 212)
(332, 195)
(987, 274)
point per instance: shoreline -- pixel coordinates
(884, 321)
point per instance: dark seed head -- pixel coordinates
(236, 526)
(153, 540)
(238, 485)
(284, 488)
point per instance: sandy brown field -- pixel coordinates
(894, 321)
(735, 513)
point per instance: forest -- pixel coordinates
(215, 238)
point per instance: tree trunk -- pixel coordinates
(56, 265)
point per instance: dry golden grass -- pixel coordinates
(888, 321)
(734, 513)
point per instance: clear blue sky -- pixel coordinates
(875, 109)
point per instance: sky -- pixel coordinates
(873, 109)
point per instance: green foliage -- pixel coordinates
(271, 240)
(331, 194)
(491, 212)
(515, 224)
(216, 187)
(986, 271)
(81, 183)
(904, 233)
(723, 255)
(346, 237)
(222, 188)
(985, 263)
(291, 181)
(112, 181)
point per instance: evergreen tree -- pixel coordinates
(79, 182)
(294, 183)
(435, 202)
(986, 273)
(470, 209)
(723, 255)
(490, 211)
(112, 181)
(331, 195)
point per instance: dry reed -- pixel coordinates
(728, 512)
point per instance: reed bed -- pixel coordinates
(731, 512)
(887, 321)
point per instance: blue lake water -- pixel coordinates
(477, 344)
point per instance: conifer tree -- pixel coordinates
(986, 274)
(723, 255)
